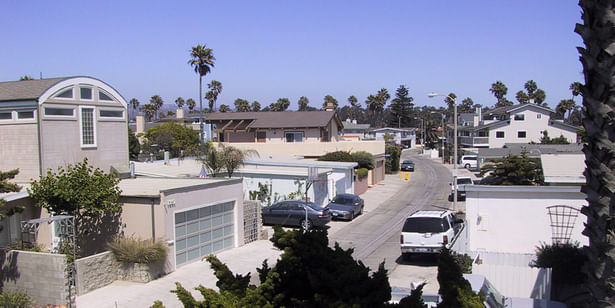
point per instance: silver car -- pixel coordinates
(292, 213)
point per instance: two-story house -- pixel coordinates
(523, 123)
(401, 136)
(52, 122)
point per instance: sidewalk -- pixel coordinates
(240, 260)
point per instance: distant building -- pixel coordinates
(354, 131)
(401, 136)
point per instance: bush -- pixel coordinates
(15, 299)
(362, 173)
(364, 159)
(134, 250)
(464, 261)
(566, 260)
(337, 156)
(392, 161)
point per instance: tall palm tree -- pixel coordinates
(135, 104)
(202, 60)
(242, 105)
(157, 102)
(302, 103)
(216, 88)
(499, 90)
(256, 106)
(575, 87)
(190, 102)
(329, 100)
(180, 102)
(597, 57)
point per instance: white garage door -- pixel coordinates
(202, 231)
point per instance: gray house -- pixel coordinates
(47, 123)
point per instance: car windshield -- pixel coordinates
(342, 200)
(464, 181)
(425, 225)
(407, 162)
(314, 206)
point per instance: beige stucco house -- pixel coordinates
(52, 122)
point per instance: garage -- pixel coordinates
(202, 231)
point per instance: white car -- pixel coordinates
(426, 232)
(469, 161)
(462, 182)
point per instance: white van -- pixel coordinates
(469, 161)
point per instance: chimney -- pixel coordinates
(330, 107)
(180, 113)
(354, 121)
(140, 124)
(531, 100)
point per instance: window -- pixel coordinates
(521, 134)
(112, 114)
(538, 116)
(294, 136)
(66, 94)
(59, 112)
(102, 96)
(6, 116)
(86, 93)
(519, 117)
(24, 115)
(499, 134)
(88, 127)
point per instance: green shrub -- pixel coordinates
(566, 260)
(362, 173)
(337, 156)
(364, 159)
(464, 261)
(134, 250)
(16, 299)
(392, 161)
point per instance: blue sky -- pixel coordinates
(271, 49)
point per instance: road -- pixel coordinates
(376, 237)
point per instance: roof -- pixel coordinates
(301, 163)
(436, 214)
(26, 89)
(533, 150)
(152, 187)
(563, 168)
(350, 125)
(393, 129)
(513, 108)
(279, 119)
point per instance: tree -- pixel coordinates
(191, 104)
(499, 90)
(565, 107)
(309, 273)
(545, 139)
(533, 93)
(135, 104)
(455, 290)
(514, 170)
(224, 108)
(232, 157)
(149, 111)
(576, 88)
(156, 102)
(467, 105)
(401, 106)
(179, 102)
(78, 190)
(302, 103)
(6, 187)
(281, 105)
(391, 163)
(202, 60)
(211, 159)
(256, 106)
(25, 77)
(353, 101)
(598, 34)
(242, 105)
(172, 137)
(450, 103)
(134, 147)
(329, 100)
(215, 90)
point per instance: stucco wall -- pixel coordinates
(242, 137)
(137, 217)
(375, 147)
(40, 275)
(19, 149)
(501, 220)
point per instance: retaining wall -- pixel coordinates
(102, 269)
(40, 275)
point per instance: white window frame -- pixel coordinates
(13, 116)
(294, 132)
(521, 131)
(105, 93)
(65, 98)
(111, 118)
(538, 116)
(86, 87)
(93, 127)
(58, 116)
(25, 119)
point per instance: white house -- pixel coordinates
(523, 123)
(401, 136)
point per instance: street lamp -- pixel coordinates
(454, 99)
(442, 138)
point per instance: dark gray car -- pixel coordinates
(346, 206)
(407, 165)
(292, 213)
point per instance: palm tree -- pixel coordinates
(25, 77)
(232, 157)
(149, 111)
(382, 98)
(180, 102)
(242, 105)
(202, 61)
(216, 88)
(329, 100)
(210, 96)
(565, 106)
(597, 57)
(302, 103)
(224, 108)
(135, 104)
(190, 102)
(499, 90)
(157, 102)
(256, 106)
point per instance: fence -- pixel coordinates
(252, 221)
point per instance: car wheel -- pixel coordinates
(361, 211)
(467, 166)
(309, 224)
(351, 216)
(406, 256)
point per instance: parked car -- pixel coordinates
(462, 182)
(346, 206)
(407, 165)
(426, 232)
(292, 213)
(469, 161)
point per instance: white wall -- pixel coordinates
(283, 185)
(515, 218)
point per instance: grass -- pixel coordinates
(135, 250)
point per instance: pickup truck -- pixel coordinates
(462, 181)
(426, 232)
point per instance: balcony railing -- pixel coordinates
(376, 147)
(474, 141)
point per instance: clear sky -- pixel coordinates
(271, 49)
